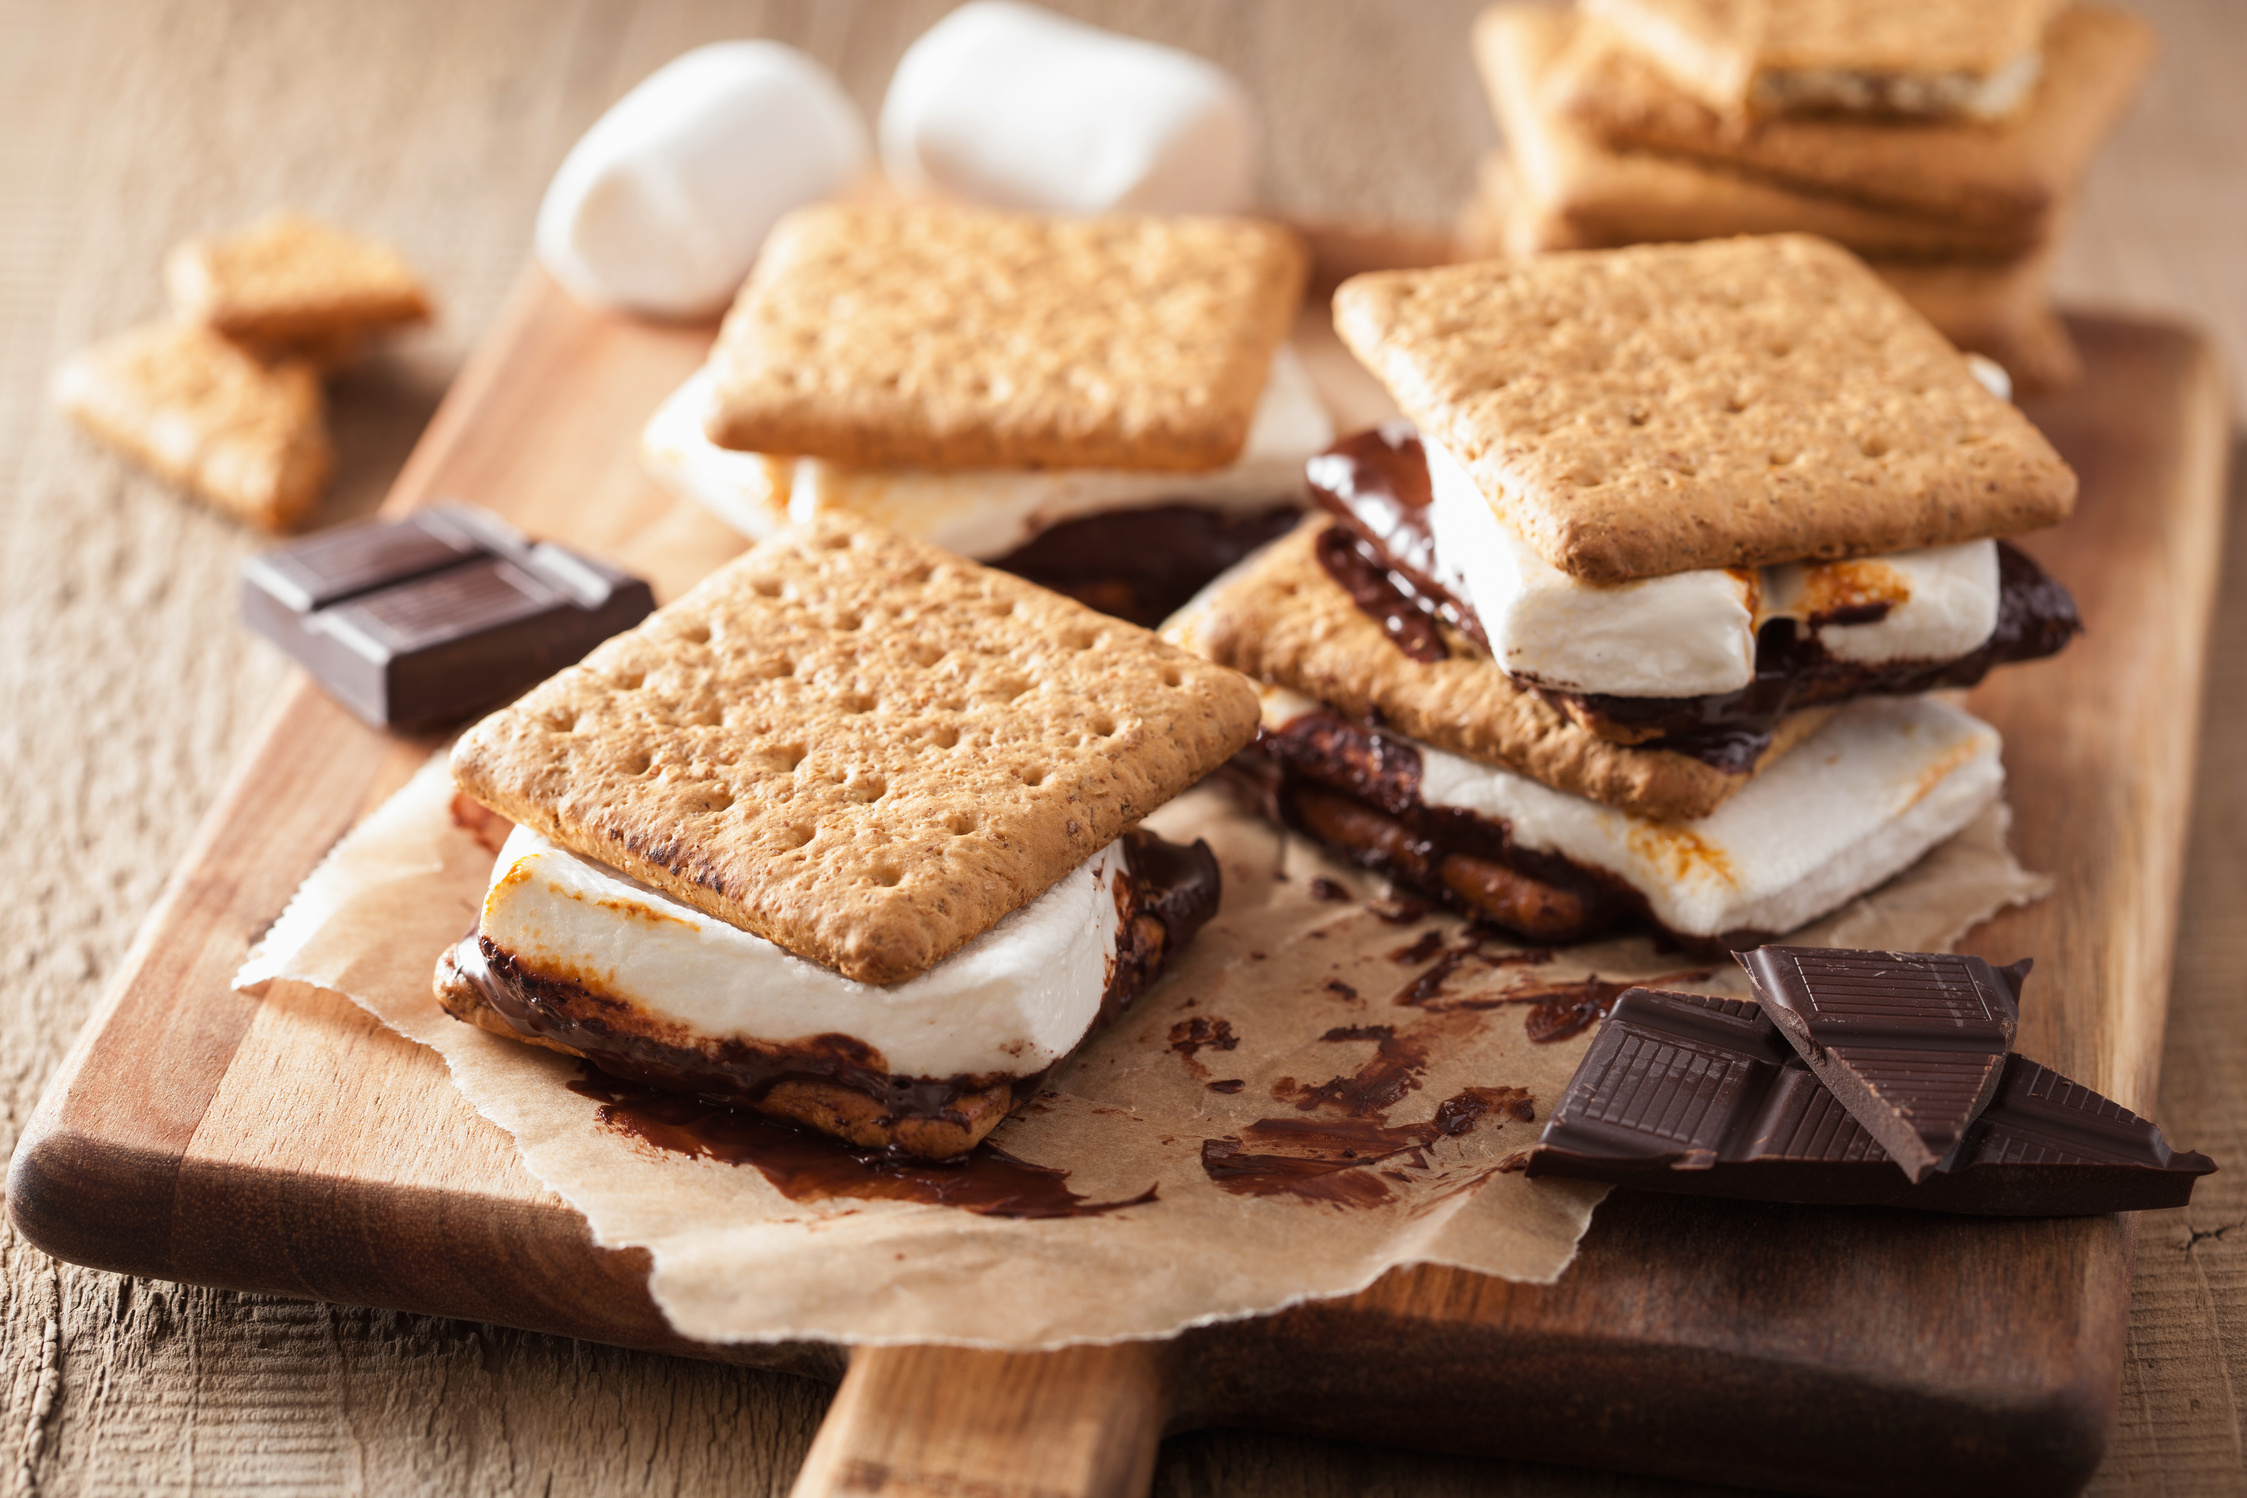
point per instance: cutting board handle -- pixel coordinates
(1082, 1422)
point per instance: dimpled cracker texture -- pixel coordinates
(248, 438)
(857, 746)
(2017, 173)
(1720, 49)
(1279, 618)
(1731, 403)
(891, 336)
(287, 278)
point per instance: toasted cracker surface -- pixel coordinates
(288, 281)
(1720, 49)
(1592, 195)
(249, 438)
(889, 335)
(1279, 618)
(1990, 175)
(1731, 403)
(857, 746)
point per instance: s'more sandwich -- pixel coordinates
(1635, 617)
(848, 835)
(1106, 405)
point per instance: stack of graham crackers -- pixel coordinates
(1944, 142)
(222, 398)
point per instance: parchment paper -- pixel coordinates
(1308, 990)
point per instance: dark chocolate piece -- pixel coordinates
(1701, 1096)
(418, 623)
(1375, 484)
(1911, 1043)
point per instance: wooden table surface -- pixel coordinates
(126, 686)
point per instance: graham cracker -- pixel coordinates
(860, 747)
(1732, 403)
(288, 284)
(890, 335)
(1593, 195)
(200, 412)
(2000, 308)
(2013, 174)
(1278, 617)
(1736, 55)
(826, 1106)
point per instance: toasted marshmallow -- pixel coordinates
(1014, 106)
(982, 513)
(748, 491)
(1693, 634)
(1860, 800)
(1010, 1003)
(661, 206)
(1926, 96)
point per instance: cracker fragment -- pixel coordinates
(288, 284)
(249, 438)
(1740, 55)
(893, 336)
(2013, 175)
(1279, 618)
(857, 746)
(1731, 403)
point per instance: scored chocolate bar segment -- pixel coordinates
(1699, 1095)
(417, 623)
(1911, 1043)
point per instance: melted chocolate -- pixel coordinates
(1382, 551)
(1356, 789)
(1334, 1160)
(1143, 564)
(810, 1167)
(1169, 893)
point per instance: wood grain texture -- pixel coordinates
(129, 689)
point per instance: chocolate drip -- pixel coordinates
(1143, 564)
(1169, 893)
(1382, 552)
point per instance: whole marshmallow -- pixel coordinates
(661, 207)
(1010, 105)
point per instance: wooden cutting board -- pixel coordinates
(293, 1146)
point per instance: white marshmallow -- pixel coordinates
(1692, 634)
(1014, 106)
(1942, 602)
(661, 206)
(981, 512)
(1990, 375)
(748, 491)
(1011, 1002)
(1859, 801)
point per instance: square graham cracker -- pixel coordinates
(892, 336)
(1592, 195)
(1999, 308)
(857, 746)
(288, 280)
(1738, 55)
(2017, 173)
(1278, 617)
(1731, 403)
(199, 411)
